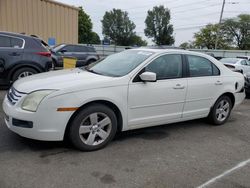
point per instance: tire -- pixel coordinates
(53, 65)
(90, 61)
(94, 134)
(23, 72)
(221, 111)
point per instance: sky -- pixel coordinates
(187, 16)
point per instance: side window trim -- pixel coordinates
(15, 38)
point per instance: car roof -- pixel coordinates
(76, 45)
(232, 58)
(18, 35)
(158, 50)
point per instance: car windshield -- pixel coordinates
(119, 64)
(58, 47)
(229, 60)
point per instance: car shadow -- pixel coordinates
(159, 132)
(48, 148)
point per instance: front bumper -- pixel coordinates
(47, 123)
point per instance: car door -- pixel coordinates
(81, 53)
(155, 103)
(11, 51)
(67, 51)
(204, 85)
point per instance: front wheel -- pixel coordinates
(23, 72)
(221, 111)
(93, 127)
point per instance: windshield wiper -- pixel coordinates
(92, 71)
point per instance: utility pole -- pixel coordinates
(218, 31)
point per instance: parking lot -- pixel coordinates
(186, 154)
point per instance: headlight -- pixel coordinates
(32, 101)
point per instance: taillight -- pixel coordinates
(46, 54)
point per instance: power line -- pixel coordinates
(145, 6)
(198, 8)
(191, 27)
(183, 11)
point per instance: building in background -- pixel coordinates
(52, 21)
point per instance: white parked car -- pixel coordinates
(236, 64)
(244, 57)
(129, 90)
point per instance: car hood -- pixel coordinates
(62, 79)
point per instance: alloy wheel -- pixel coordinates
(25, 74)
(95, 129)
(222, 110)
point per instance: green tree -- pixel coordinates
(94, 39)
(239, 29)
(187, 45)
(138, 41)
(117, 26)
(84, 27)
(206, 38)
(158, 26)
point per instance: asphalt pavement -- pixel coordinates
(187, 154)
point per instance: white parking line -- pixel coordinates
(211, 181)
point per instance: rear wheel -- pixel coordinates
(23, 72)
(221, 111)
(93, 127)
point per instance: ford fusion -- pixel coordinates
(128, 90)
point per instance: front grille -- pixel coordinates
(14, 96)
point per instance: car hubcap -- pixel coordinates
(95, 129)
(222, 110)
(25, 74)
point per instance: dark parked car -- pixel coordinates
(21, 56)
(247, 83)
(84, 54)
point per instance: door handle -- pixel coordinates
(218, 83)
(14, 54)
(179, 86)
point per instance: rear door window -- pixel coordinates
(81, 49)
(16, 43)
(5, 41)
(200, 66)
(11, 42)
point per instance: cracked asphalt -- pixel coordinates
(185, 154)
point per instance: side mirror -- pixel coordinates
(148, 77)
(63, 51)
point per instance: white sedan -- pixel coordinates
(241, 65)
(129, 90)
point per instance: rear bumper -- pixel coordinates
(239, 98)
